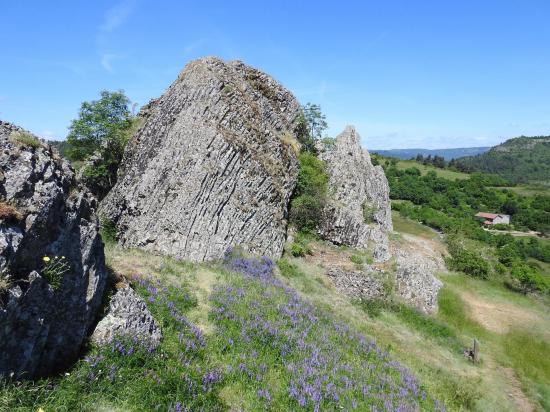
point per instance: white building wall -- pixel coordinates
(501, 219)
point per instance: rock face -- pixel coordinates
(359, 211)
(44, 213)
(213, 166)
(128, 316)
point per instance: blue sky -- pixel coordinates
(430, 74)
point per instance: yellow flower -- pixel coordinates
(45, 259)
(40, 410)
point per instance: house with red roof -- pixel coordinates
(493, 218)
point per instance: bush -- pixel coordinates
(467, 261)
(309, 198)
(529, 277)
(107, 230)
(299, 249)
(372, 307)
(368, 212)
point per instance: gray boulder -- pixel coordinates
(415, 281)
(127, 316)
(358, 213)
(44, 212)
(213, 166)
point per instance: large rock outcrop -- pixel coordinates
(213, 166)
(358, 213)
(44, 213)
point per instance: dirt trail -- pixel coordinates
(523, 403)
(513, 385)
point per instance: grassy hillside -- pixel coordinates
(237, 337)
(519, 160)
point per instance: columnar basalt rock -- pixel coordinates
(213, 166)
(44, 213)
(358, 213)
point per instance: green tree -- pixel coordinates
(309, 126)
(316, 120)
(99, 136)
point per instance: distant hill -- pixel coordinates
(519, 160)
(447, 154)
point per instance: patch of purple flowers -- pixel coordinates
(324, 364)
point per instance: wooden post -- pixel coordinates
(475, 351)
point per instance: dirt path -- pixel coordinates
(515, 393)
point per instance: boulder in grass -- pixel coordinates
(128, 316)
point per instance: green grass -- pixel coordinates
(358, 260)
(26, 139)
(404, 225)
(529, 355)
(126, 376)
(429, 326)
(444, 173)
(452, 311)
(527, 190)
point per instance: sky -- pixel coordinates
(430, 74)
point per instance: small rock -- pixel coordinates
(127, 316)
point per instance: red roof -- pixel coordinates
(487, 215)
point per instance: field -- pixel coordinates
(528, 190)
(444, 173)
(404, 225)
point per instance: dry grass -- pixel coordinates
(289, 140)
(25, 139)
(9, 213)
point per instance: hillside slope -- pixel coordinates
(520, 160)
